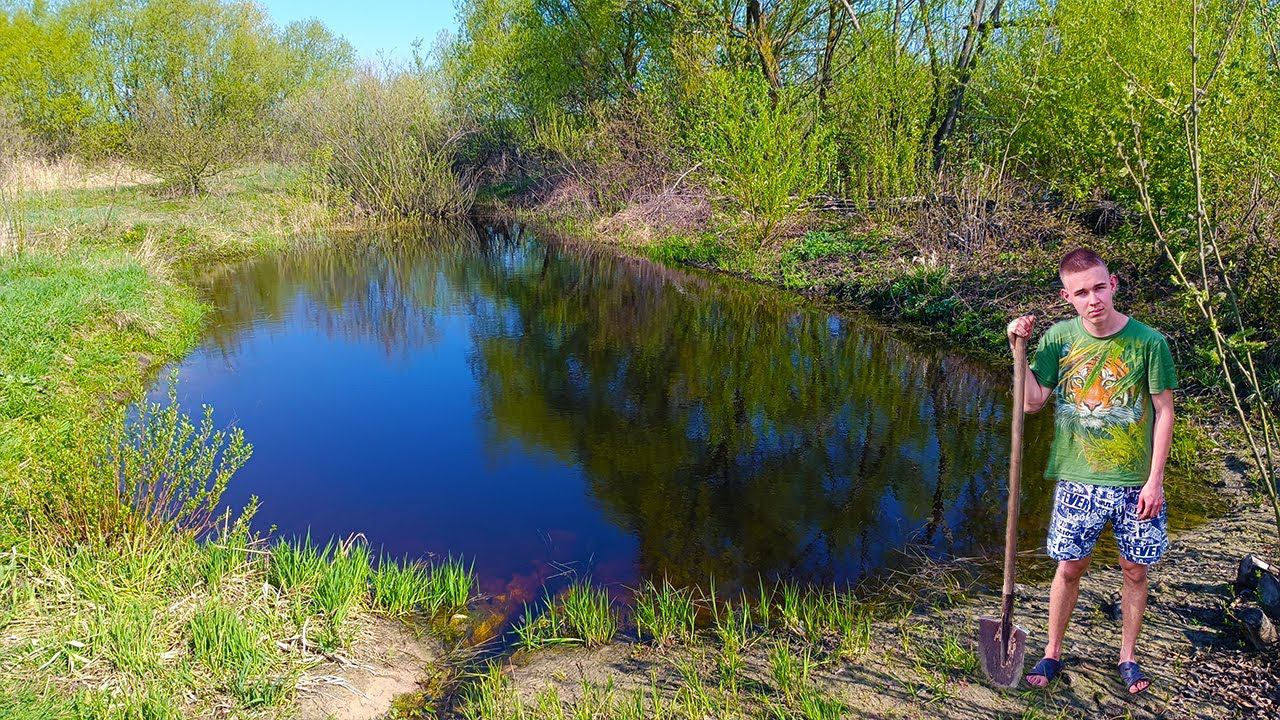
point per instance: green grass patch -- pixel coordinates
(77, 327)
(296, 566)
(227, 554)
(401, 588)
(131, 640)
(450, 585)
(704, 249)
(666, 614)
(949, 654)
(343, 582)
(239, 651)
(582, 615)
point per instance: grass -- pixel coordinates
(90, 306)
(950, 655)
(450, 585)
(582, 615)
(131, 640)
(401, 588)
(666, 614)
(296, 566)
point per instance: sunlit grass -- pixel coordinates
(582, 615)
(949, 654)
(131, 640)
(450, 585)
(237, 650)
(343, 581)
(666, 614)
(589, 615)
(401, 588)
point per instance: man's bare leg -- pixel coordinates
(1133, 603)
(1062, 601)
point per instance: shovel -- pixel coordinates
(1001, 644)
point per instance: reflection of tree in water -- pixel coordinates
(390, 289)
(733, 431)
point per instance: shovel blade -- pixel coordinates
(1001, 657)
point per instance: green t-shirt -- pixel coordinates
(1103, 420)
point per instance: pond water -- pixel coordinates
(546, 409)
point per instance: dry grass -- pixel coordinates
(673, 211)
(38, 174)
(244, 209)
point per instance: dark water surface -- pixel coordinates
(538, 407)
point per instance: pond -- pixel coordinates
(547, 409)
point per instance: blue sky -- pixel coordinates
(373, 27)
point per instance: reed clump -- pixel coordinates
(582, 615)
(386, 145)
(666, 614)
(400, 589)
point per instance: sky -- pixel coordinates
(373, 27)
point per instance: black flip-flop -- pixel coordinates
(1131, 674)
(1048, 668)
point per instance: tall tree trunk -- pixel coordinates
(758, 34)
(935, 67)
(834, 28)
(974, 37)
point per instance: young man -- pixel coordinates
(1113, 381)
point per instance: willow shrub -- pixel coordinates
(388, 143)
(763, 154)
(160, 475)
(877, 111)
(1059, 94)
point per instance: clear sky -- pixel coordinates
(373, 27)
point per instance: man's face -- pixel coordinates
(1090, 292)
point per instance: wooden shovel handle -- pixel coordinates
(1015, 477)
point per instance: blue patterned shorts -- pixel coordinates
(1081, 510)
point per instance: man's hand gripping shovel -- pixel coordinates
(1002, 646)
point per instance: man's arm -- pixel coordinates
(1152, 496)
(1036, 395)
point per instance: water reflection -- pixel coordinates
(534, 404)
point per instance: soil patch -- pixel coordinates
(390, 659)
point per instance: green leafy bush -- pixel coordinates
(762, 152)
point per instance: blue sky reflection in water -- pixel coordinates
(537, 406)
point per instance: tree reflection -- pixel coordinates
(733, 430)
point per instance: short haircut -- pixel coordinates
(1080, 259)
